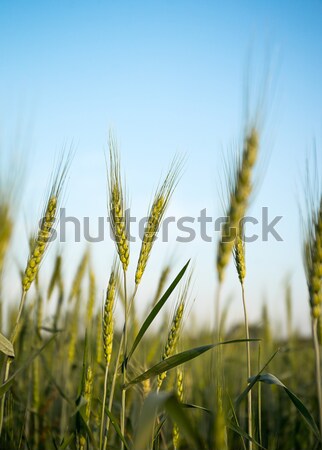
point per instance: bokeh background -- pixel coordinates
(167, 77)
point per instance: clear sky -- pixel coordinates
(167, 76)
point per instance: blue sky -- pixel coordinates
(167, 77)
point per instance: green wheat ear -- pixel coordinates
(155, 216)
(175, 329)
(108, 322)
(239, 256)
(41, 240)
(313, 261)
(116, 205)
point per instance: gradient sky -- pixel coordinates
(167, 76)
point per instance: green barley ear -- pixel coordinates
(240, 186)
(155, 216)
(239, 256)
(108, 322)
(79, 276)
(42, 238)
(116, 206)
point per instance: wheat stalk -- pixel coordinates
(118, 221)
(240, 188)
(239, 257)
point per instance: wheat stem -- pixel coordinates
(111, 397)
(123, 408)
(103, 408)
(249, 395)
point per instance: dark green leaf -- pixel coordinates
(253, 381)
(180, 358)
(272, 379)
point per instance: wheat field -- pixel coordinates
(76, 379)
